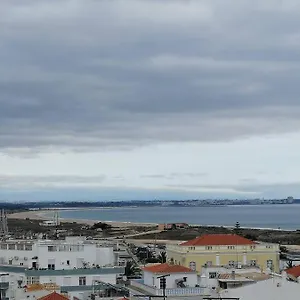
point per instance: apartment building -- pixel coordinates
(229, 250)
(74, 264)
(73, 252)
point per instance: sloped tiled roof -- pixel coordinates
(294, 271)
(166, 268)
(218, 239)
(54, 296)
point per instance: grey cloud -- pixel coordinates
(250, 187)
(172, 176)
(102, 74)
(30, 182)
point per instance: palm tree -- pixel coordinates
(162, 257)
(130, 268)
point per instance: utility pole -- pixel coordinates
(163, 283)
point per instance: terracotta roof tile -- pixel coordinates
(54, 296)
(166, 268)
(218, 239)
(294, 271)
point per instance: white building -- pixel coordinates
(73, 252)
(180, 281)
(213, 278)
(74, 264)
(275, 288)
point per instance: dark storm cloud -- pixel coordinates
(97, 74)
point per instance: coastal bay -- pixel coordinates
(283, 216)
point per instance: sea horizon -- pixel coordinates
(275, 216)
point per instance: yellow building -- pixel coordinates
(229, 250)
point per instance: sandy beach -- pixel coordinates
(44, 215)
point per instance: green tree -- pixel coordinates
(130, 269)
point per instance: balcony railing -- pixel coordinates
(82, 271)
(188, 291)
(12, 269)
(237, 266)
(4, 285)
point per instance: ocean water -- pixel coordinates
(261, 216)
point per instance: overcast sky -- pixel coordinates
(139, 99)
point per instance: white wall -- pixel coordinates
(105, 256)
(19, 257)
(89, 252)
(272, 289)
(73, 280)
(152, 280)
(60, 258)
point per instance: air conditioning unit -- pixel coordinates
(25, 258)
(16, 257)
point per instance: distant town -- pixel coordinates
(142, 203)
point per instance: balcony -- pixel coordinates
(12, 269)
(77, 288)
(232, 267)
(81, 271)
(4, 285)
(188, 291)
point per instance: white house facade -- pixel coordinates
(74, 252)
(179, 281)
(74, 264)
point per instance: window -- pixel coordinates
(184, 279)
(20, 247)
(82, 280)
(3, 246)
(193, 265)
(209, 263)
(270, 264)
(252, 247)
(51, 266)
(51, 248)
(11, 246)
(231, 247)
(192, 248)
(253, 262)
(269, 247)
(231, 263)
(62, 248)
(208, 248)
(68, 262)
(212, 275)
(28, 247)
(33, 279)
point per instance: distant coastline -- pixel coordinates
(73, 205)
(275, 217)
